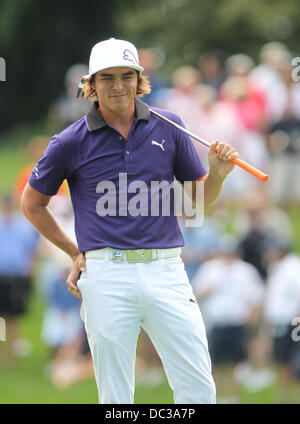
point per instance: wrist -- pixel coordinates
(215, 176)
(74, 255)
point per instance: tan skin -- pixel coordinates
(116, 90)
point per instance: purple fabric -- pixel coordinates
(90, 151)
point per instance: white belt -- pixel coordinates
(133, 255)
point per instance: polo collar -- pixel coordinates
(96, 121)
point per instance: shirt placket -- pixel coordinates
(127, 148)
(128, 162)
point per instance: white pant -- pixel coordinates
(118, 299)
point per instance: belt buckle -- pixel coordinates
(139, 255)
(117, 255)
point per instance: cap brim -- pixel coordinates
(137, 68)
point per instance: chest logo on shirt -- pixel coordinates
(155, 143)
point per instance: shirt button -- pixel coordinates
(120, 138)
(127, 152)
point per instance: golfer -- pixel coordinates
(127, 266)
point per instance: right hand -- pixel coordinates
(77, 268)
(219, 158)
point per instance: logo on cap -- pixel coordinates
(128, 55)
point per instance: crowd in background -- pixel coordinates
(241, 261)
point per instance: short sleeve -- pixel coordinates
(50, 171)
(188, 166)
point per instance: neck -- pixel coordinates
(120, 118)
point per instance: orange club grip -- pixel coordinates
(249, 168)
(237, 161)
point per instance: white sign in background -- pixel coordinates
(2, 69)
(2, 330)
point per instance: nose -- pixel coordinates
(118, 84)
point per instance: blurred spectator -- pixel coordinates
(273, 56)
(62, 327)
(236, 118)
(211, 66)
(159, 85)
(284, 142)
(17, 252)
(180, 98)
(62, 322)
(217, 120)
(244, 93)
(187, 99)
(257, 223)
(272, 218)
(34, 150)
(230, 292)
(282, 305)
(200, 244)
(68, 108)
(249, 102)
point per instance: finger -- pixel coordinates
(214, 146)
(73, 288)
(234, 155)
(75, 292)
(223, 150)
(231, 152)
(72, 279)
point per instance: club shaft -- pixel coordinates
(181, 128)
(237, 161)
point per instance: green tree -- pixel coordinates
(39, 40)
(186, 28)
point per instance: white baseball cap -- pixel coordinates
(113, 53)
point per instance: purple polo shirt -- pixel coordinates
(91, 151)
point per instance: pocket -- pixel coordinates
(176, 271)
(174, 263)
(94, 268)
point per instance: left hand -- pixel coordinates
(77, 268)
(220, 162)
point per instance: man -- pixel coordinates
(230, 292)
(17, 255)
(281, 311)
(133, 276)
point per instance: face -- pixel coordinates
(116, 88)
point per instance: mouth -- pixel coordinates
(118, 96)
